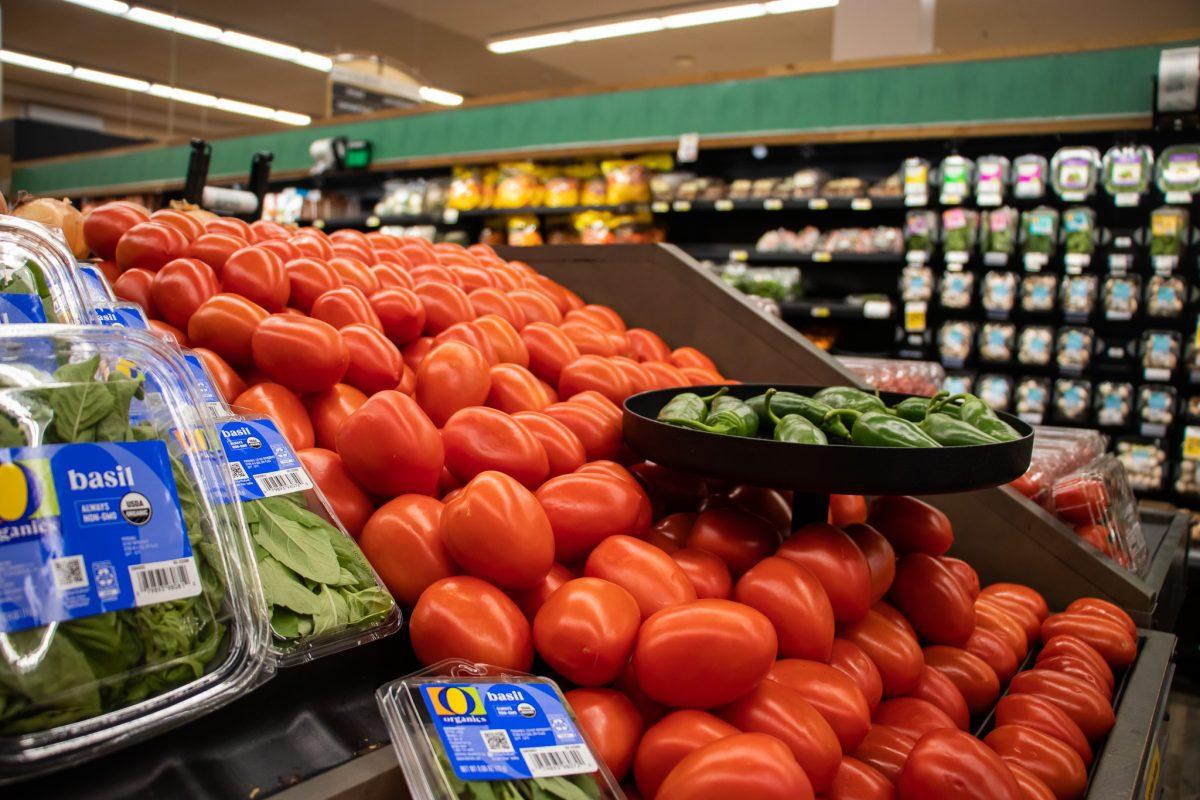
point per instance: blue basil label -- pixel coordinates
(95, 283)
(16, 308)
(87, 529)
(261, 462)
(124, 316)
(506, 731)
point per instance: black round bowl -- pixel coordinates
(836, 468)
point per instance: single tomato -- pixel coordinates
(748, 765)
(912, 716)
(792, 598)
(514, 388)
(148, 245)
(445, 304)
(833, 693)
(464, 617)
(400, 314)
(478, 439)
(453, 376)
(1040, 714)
(936, 688)
(590, 372)
(214, 249)
(1084, 705)
(837, 563)
(974, 678)
(847, 509)
(708, 574)
(585, 631)
(667, 741)
(611, 723)
(885, 750)
(375, 363)
(587, 508)
(181, 287)
(911, 525)
(403, 541)
(257, 275)
(355, 272)
(303, 354)
(849, 658)
(105, 224)
(345, 305)
(328, 409)
(391, 447)
(881, 558)
(308, 279)
(1110, 638)
(600, 435)
(738, 538)
(952, 765)
(650, 576)
(933, 599)
(490, 300)
(1055, 763)
(894, 652)
(564, 451)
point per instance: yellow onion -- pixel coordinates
(3, 204)
(58, 214)
(193, 210)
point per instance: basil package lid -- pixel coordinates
(126, 605)
(37, 275)
(466, 731)
(322, 594)
(1178, 172)
(1126, 172)
(1074, 172)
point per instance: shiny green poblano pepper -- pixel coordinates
(980, 415)
(878, 429)
(914, 409)
(792, 427)
(787, 403)
(854, 399)
(688, 405)
(950, 432)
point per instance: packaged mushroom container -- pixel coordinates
(957, 289)
(955, 340)
(1072, 400)
(996, 340)
(1145, 462)
(1073, 348)
(1120, 296)
(1033, 399)
(999, 292)
(916, 283)
(1038, 293)
(1156, 405)
(1165, 296)
(1078, 295)
(1160, 351)
(1114, 403)
(995, 390)
(1035, 345)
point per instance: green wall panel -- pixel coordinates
(1089, 84)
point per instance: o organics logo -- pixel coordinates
(20, 493)
(456, 701)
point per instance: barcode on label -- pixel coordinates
(567, 759)
(237, 471)
(69, 573)
(283, 481)
(497, 742)
(164, 580)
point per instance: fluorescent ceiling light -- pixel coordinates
(708, 16)
(249, 109)
(535, 42)
(439, 96)
(314, 61)
(33, 62)
(108, 79)
(788, 6)
(183, 95)
(613, 29)
(291, 118)
(255, 44)
(106, 6)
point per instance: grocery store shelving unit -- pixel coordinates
(450, 217)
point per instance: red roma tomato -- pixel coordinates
(265, 229)
(881, 558)
(792, 598)
(105, 224)
(650, 576)
(837, 563)
(1004, 622)
(231, 226)
(180, 287)
(1058, 766)
(470, 277)
(530, 600)
(750, 766)
(308, 279)
(550, 350)
(169, 332)
(691, 357)
(400, 314)
(1032, 787)
(834, 695)
(375, 363)
(1109, 638)
(479, 439)
(856, 780)
(214, 249)
(896, 654)
(885, 750)
(890, 613)
(588, 338)
(599, 402)
(564, 451)
(736, 537)
(137, 286)
(303, 354)
(966, 574)
(349, 502)
(670, 534)
(593, 373)
(936, 688)
(585, 630)
(329, 408)
(601, 437)
(639, 379)
(912, 716)
(1016, 593)
(550, 289)
(149, 245)
(974, 678)
(345, 305)
(495, 529)
(611, 723)
(664, 375)
(647, 345)
(391, 275)
(1074, 647)
(535, 306)
(670, 739)
(933, 599)
(445, 304)
(312, 246)
(779, 710)
(600, 316)
(586, 508)
(1040, 714)
(1095, 607)
(847, 509)
(280, 247)
(228, 383)
(513, 389)
(770, 504)
(708, 574)
(911, 525)
(952, 765)
(509, 347)
(1081, 669)
(470, 333)
(849, 658)
(489, 300)
(700, 377)
(738, 644)
(355, 250)
(1083, 704)
(994, 652)
(464, 617)
(391, 447)
(403, 542)
(282, 405)
(432, 273)
(189, 226)
(225, 324)
(257, 275)
(354, 272)
(416, 254)
(350, 236)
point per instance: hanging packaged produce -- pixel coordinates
(991, 179)
(955, 175)
(1178, 173)
(1127, 172)
(1168, 236)
(1074, 172)
(1029, 177)
(1079, 237)
(960, 228)
(916, 181)
(1036, 345)
(920, 234)
(999, 231)
(1039, 236)
(999, 293)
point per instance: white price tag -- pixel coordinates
(861, 204)
(450, 216)
(772, 204)
(723, 205)
(1179, 198)
(660, 207)
(681, 205)
(818, 204)
(1126, 199)
(877, 309)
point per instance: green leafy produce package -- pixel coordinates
(38, 282)
(128, 607)
(466, 731)
(1039, 230)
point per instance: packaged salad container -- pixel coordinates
(916, 181)
(1039, 236)
(128, 608)
(991, 179)
(920, 232)
(1074, 172)
(467, 731)
(960, 228)
(1168, 231)
(38, 282)
(1178, 172)
(1079, 232)
(999, 232)
(1126, 173)
(955, 176)
(1029, 177)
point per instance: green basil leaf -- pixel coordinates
(77, 409)
(333, 612)
(282, 587)
(303, 549)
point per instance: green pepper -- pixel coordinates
(914, 409)
(793, 427)
(879, 429)
(729, 417)
(688, 405)
(787, 403)
(950, 432)
(980, 415)
(848, 397)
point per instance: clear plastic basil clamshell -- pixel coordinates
(464, 731)
(1074, 172)
(38, 282)
(1178, 170)
(322, 594)
(1127, 171)
(135, 611)
(95, 284)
